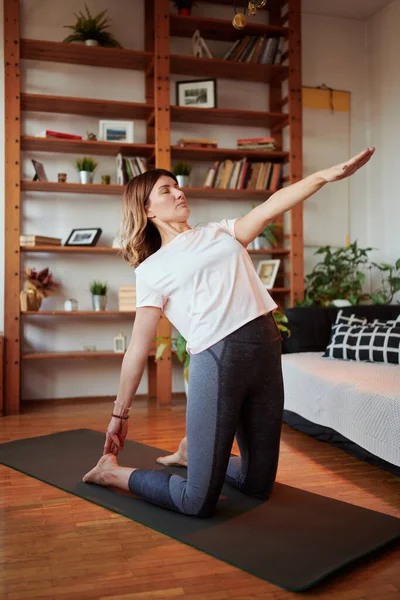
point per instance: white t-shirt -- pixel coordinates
(205, 283)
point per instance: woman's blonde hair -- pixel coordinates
(138, 236)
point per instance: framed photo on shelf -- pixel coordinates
(83, 237)
(116, 131)
(199, 93)
(267, 271)
(40, 174)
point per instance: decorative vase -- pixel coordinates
(183, 180)
(99, 303)
(91, 43)
(30, 300)
(86, 176)
(260, 243)
(340, 303)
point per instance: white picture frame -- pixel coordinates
(267, 271)
(119, 132)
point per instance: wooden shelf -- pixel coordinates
(78, 313)
(182, 153)
(37, 144)
(70, 249)
(226, 116)
(219, 29)
(228, 69)
(96, 188)
(71, 188)
(79, 54)
(86, 106)
(83, 354)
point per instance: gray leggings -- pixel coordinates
(235, 387)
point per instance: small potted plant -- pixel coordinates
(90, 30)
(184, 6)
(267, 238)
(37, 285)
(182, 170)
(178, 345)
(86, 167)
(99, 295)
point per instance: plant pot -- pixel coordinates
(183, 180)
(30, 300)
(86, 176)
(186, 387)
(91, 43)
(261, 243)
(184, 11)
(99, 303)
(340, 303)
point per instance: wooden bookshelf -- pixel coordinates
(218, 29)
(77, 54)
(228, 69)
(157, 65)
(183, 153)
(86, 106)
(225, 116)
(37, 144)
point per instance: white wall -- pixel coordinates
(384, 132)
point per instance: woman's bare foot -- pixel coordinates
(102, 471)
(179, 459)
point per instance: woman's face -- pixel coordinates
(168, 202)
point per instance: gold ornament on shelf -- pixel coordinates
(251, 9)
(239, 21)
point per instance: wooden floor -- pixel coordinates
(54, 545)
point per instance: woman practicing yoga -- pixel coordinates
(205, 282)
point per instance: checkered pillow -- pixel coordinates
(352, 319)
(372, 343)
(387, 323)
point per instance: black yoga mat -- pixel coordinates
(294, 540)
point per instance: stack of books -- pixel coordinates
(127, 298)
(257, 49)
(244, 175)
(39, 240)
(47, 133)
(262, 143)
(197, 143)
(129, 167)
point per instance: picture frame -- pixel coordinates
(86, 236)
(199, 93)
(119, 132)
(40, 174)
(267, 271)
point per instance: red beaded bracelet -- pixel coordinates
(120, 417)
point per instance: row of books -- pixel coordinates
(244, 175)
(129, 167)
(257, 49)
(48, 133)
(38, 240)
(197, 143)
(262, 143)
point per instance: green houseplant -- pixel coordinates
(182, 170)
(337, 276)
(99, 295)
(390, 282)
(86, 167)
(92, 30)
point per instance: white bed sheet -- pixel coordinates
(359, 400)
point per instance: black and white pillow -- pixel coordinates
(388, 323)
(352, 319)
(371, 343)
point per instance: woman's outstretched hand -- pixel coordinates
(115, 435)
(347, 168)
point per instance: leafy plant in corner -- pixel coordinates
(88, 27)
(182, 168)
(97, 288)
(87, 163)
(337, 275)
(390, 282)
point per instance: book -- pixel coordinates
(58, 134)
(196, 142)
(36, 240)
(255, 140)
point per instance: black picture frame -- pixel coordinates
(194, 83)
(40, 174)
(85, 236)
